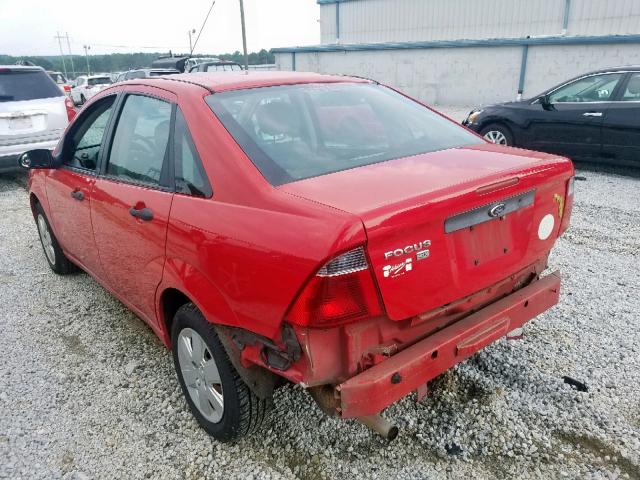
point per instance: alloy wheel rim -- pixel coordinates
(496, 136)
(200, 375)
(45, 238)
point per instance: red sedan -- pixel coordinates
(325, 230)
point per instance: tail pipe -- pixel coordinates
(379, 425)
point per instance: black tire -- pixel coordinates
(60, 264)
(243, 412)
(499, 128)
(82, 99)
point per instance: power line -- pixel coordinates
(202, 28)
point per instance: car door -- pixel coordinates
(70, 187)
(132, 198)
(568, 120)
(621, 125)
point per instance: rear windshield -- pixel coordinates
(224, 68)
(158, 73)
(99, 81)
(16, 85)
(302, 131)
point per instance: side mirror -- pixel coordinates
(40, 158)
(545, 102)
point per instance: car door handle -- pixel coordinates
(142, 213)
(78, 195)
(592, 114)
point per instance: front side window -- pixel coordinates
(140, 142)
(86, 139)
(632, 91)
(189, 173)
(595, 88)
(301, 131)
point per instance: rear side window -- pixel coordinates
(99, 81)
(140, 142)
(18, 85)
(302, 131)
(190, 176)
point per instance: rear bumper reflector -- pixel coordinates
(374, 389)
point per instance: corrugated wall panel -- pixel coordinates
(598, 17)
(376, 21)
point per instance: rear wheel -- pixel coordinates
(56, 259)
(218, 398)
(498, 134)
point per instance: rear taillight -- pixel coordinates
(71, 109)
(66, 88)
(342, 291)
(567, 207)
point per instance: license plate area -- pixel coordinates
(20, 123)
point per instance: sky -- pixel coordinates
(28, 27)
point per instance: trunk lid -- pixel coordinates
(443, 225)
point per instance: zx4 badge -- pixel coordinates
(392, 271)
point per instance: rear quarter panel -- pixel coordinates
(243, 255)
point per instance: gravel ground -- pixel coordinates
(87, 390)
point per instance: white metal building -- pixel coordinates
(468, 52)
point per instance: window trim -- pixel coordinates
(105, 135)
(102, 170)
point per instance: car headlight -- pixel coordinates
(473, 116)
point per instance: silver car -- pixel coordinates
(33, 113)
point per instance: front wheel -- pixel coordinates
(218, 398)
(498, 134)
(82, 99)
(56, 258)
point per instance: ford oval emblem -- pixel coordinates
(497, 210)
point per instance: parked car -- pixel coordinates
(182, 63)
(264, 245)
(33, 112)
(218, 66)
(145, 73)
(593, 117)
(86, 86)
(62, 82)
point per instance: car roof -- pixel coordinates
(21, 67)
(623, 68)
(238, 80)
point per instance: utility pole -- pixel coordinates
(244, 37)
(64, 65)
(190, 45)
(86, 55)
(73, 69)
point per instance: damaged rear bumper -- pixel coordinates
(371, 391)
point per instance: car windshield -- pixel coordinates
(98, 81)
(302, 131)
(17, 85)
